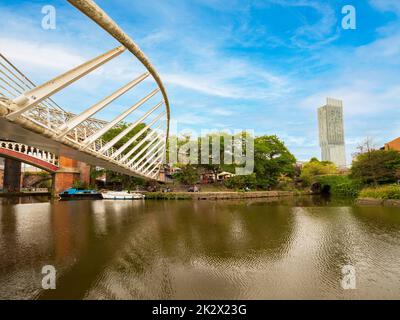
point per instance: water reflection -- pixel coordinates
(257, 249)
(20, 200)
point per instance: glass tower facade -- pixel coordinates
(331, 132)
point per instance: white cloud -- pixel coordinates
(314, 34)
(386, 5)
(40, 55)
(358, 100)
(225, 77)
(200, 84)
(221, 111)
(383, 51)
(190, 119)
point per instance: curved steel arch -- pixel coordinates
(94, 12)
(23, 106)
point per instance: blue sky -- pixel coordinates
(262, 65)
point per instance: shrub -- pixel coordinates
(166, 196)
(79, 184)
(240, 182)
(36, 173)
(340, 185)
(44, 184)
(381, 192)
(285, 183)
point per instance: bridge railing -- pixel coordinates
(30, 151)
(47, 113)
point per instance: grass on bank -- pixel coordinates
(166, 196)
(381, 192)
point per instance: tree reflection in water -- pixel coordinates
(275, 248)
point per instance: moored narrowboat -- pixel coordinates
(79, 194)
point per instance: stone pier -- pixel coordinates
(12, 175)
(70, 171)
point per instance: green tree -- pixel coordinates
(376, 167)
(188, 174)
(113, 132)
(271, 160)
(315, 168)
(95, 173)
(123, 181)
(208, 165)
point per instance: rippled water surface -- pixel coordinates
(199, 250)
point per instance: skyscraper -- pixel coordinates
(331, 132)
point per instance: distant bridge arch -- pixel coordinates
(30, 155)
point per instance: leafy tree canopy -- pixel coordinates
(113, 132)
(377, 167)
(316, 168)
(188, 174)
(271, 160)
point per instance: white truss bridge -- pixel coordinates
(31, 117)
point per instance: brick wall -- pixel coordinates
(1, 178)
(84, 170)
(393, 145)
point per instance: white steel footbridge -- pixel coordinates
(29, 115)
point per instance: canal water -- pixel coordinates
(263, 249)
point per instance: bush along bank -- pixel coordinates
(339, 185)
(388, 195)
(382, 192)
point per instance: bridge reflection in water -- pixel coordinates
(199, 250)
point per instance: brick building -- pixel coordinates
(393, 145)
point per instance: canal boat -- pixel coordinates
(79, 193)
(121, 195)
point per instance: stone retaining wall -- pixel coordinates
(222, 195)
(378, 202)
